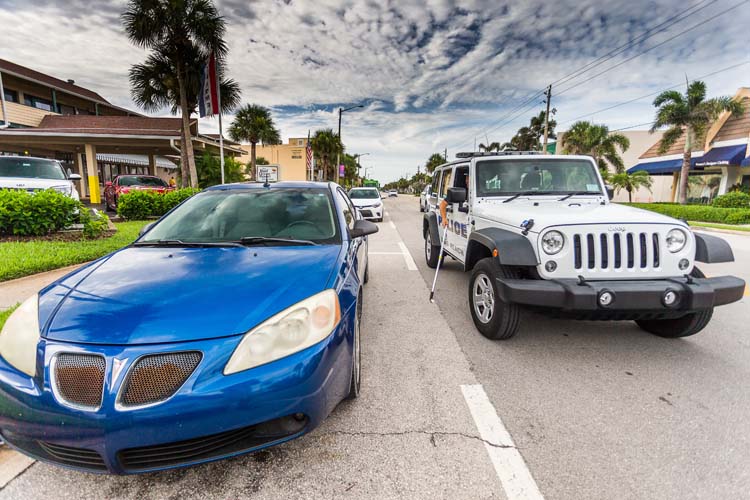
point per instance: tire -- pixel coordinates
(688, 325)
(366, 277)
(421, 207)
(355, 381)
(494, 318)
(431, 252)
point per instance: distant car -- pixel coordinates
(25, 173)
(232, 324)
(123, 184)
(424, 197)
(392, 193)
(368, 203)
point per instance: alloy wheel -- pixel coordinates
(483, 298)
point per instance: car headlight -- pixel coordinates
(296, 328)
(378, 205)
(20, 336)
(552, 242)
(676, 240)
(64, 189)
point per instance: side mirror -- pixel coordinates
(146, 228)
(108, 183)
(610, 191)
(456, 195)
(74, 177)
(362, 228)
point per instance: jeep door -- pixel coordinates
(458, 213)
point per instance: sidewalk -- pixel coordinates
(14, 291)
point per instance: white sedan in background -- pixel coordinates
(368, 203)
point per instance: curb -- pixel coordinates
(717, 230)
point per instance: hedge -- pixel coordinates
(699, 213)
(38, 214)
(139, 205)
(735, 199)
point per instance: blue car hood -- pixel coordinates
(146, 295)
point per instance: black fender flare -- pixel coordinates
(430, 223)
(712, 249)
(513, 249)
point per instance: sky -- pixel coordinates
(432, 74)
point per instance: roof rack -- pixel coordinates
(496, 153)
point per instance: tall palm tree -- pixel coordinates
(631, 182)
(586, 138)
(529, 138)
(434, 161)
(491, 146)
(254, 124)
(326, 145)
(176, 31)
(690, 115)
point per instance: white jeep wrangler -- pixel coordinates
(539, 231)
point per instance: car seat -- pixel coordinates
(531, 181)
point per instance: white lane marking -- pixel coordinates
(410, 264)
(390, 223)
(387, 214)
(509, 465)
(385, 253)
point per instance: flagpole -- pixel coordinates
(221, 130)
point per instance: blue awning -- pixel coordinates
(745, 162)
(724, 155)
(658, 167)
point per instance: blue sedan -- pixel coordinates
(230, 325)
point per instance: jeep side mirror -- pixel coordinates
(610, 191)
(362, 228)
(456, 195)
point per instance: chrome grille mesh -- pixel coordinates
(79, 379)
(157, 377)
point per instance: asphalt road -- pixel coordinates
(596, 410)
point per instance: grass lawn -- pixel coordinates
(721, 226)
(30, 257)
(5, 314)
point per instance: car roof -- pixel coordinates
(540, 156)
(23, 157)
(273, 185)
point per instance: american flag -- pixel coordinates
(309, 152)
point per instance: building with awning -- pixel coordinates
(724, 152)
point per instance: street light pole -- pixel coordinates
(341, 143)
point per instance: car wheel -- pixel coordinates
(431, 251)
(494, 318)
(366, 277)
(356, 378)
(421, 207)
(674, 328)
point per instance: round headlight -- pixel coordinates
(552, 242)
(676, 240)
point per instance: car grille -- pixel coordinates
(79, 379)
(366, 213)
(75, 457)
(208, 447)
(605, 250)
(157, 377)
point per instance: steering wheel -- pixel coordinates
(299, 223)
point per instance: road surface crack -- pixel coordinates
(432, 435)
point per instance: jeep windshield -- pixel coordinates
(535, 176)
(31, 168)
(249, 216)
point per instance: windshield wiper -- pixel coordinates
(180, 243)
(262, 240)
(525, 193)
(577, 193)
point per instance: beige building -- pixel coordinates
(290, 158)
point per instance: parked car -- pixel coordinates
(368, 202)
(123, 184)
(539, 231)
(30, 174)
(424, 197)
(231, 324)
(392, 193)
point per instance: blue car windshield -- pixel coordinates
(218, 216)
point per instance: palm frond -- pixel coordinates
(669, 138)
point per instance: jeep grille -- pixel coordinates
(602, 250)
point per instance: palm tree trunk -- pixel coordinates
(188, 146)
(184, 172)
(252, 159)
(630, 196)
(685, 171)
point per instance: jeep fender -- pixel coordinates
(513, 249)
(430, 223)
(712, 250)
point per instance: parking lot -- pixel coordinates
(591, 410)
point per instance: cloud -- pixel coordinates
(433, 74)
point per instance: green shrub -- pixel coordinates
(699, 213)
(38, 214)
(93, 225)
(734, 199)
(139, 205)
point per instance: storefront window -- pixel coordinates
(37, 102)
(10, 95)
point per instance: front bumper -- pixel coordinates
(371, 213)
(642, 296)
(212, 416)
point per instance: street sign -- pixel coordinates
(268, 173)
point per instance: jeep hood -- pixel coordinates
(146, 295)
(550, 212)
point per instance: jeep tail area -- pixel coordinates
(539, 231)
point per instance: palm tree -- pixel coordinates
(586, 138)
(492, 146)
(254, 124)
(529, 138)
(434, 161)
(689, 115)
(326, 145)
(631, 182)
(179, 35)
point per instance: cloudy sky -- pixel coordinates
(432, 74)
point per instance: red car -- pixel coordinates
(123, 184)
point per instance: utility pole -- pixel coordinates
(338, 155)
(446, 154)
(548, 95)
